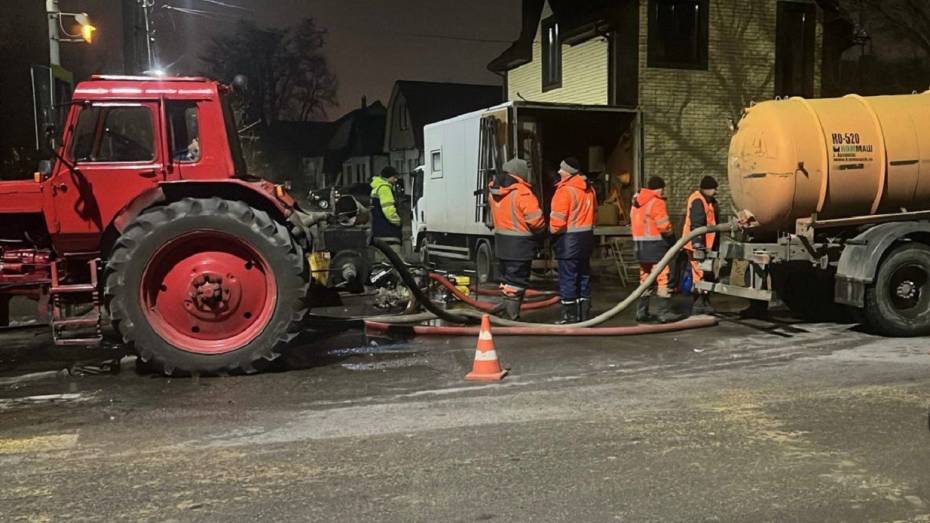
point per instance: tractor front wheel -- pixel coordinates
(206, 285)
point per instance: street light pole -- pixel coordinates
(150, 56)
(54, 19)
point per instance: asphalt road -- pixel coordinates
(748, 421)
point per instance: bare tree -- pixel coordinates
(288, 74)
(908, 19)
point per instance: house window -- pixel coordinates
(364, 173)
(678, 32)
(404, 122)
(794, 49)
(411, 165)
(551, 55)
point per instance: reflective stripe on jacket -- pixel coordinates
(517, 219)
(574, 209)
(650, 226)
(700, 212)
(385, 221)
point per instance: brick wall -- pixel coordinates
(687, 112)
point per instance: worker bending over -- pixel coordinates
(385, 221)
(652, 235)
(702, 210)
(571, 223)
(518, 222)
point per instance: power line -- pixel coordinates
(224, 4)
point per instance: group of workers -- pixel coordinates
(519, 225)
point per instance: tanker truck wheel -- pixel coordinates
(206, 286)
(898, 303)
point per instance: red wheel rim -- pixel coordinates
(208, 292)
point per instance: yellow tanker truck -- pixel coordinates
(838, 193)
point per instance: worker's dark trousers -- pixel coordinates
(575, 279)
(515, 273)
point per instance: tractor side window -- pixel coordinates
(114, 134)
(185, 131)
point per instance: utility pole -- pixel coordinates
(54, 19)
(147, 5)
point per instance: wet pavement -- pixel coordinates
(748, 421)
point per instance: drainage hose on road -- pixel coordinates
(545, 327)
(487, 306)
(695, 322)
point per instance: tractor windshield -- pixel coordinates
(232, 132)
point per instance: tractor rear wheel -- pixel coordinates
(206, 285)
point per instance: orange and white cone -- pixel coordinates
(487, 367)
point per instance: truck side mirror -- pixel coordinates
(45, 168)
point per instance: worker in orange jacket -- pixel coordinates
(574, 207)
(652, 232)
(518, 223)
(702, 210)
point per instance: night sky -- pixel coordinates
(373, 43)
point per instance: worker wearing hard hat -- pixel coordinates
(702, 210)
(385, 221)
(574, 209)
(652, 232)
(518, 222)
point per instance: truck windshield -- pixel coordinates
(232, 132)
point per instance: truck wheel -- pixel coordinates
(206, 285)
(898, 303)
(484, 263)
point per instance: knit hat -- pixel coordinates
(655, 183)
(571, 165)
(708, 182)
(389, 172)
(518, 167)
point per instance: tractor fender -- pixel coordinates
(260, 194)
(861, 257)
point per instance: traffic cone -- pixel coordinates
(486, 367)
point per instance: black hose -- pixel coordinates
(411, 284)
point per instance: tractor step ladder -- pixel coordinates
(81, 331)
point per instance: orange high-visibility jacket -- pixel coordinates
(650, 226)
(704, 213)
(574, 211)
(517, 219)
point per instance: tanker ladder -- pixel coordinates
(83, 330)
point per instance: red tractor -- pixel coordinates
(148, 213)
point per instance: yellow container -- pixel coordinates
(319, 266)
(837, 157)
(463, 284)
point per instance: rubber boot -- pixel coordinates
(569, 312)
(701, 305)
(642, 311)
(512, 307)
(664, 311)
(584, 309)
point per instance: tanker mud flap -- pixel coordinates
(862, 256)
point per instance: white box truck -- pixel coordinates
(449, 198)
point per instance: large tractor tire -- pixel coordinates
(206, 286)
(898, 303)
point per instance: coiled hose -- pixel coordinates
(474, 315)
